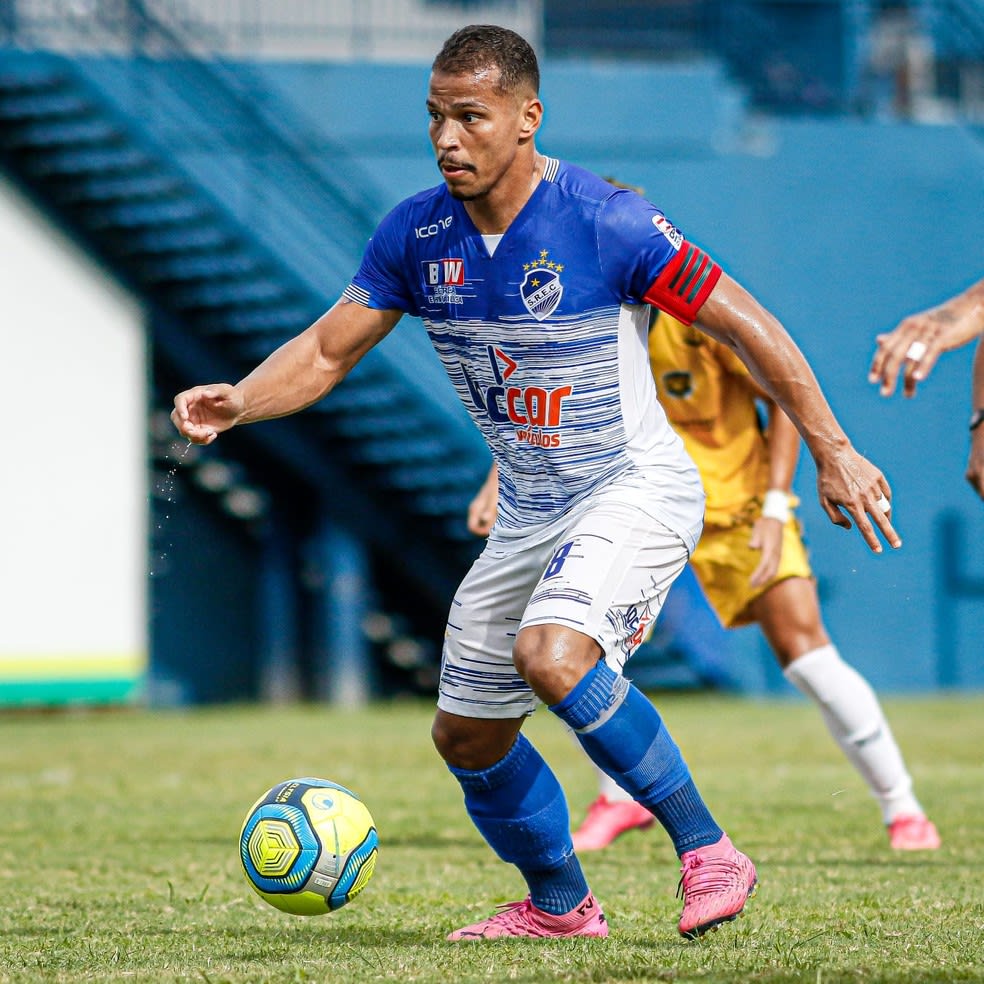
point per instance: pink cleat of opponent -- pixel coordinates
(913, 833)
(608, 819)
(525, 919)
(716, 882)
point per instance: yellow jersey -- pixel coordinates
(710, 401)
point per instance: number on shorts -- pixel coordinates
(557, 561)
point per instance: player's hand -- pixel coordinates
(202, 413)
(483, 509)
(912, 348)
(851, 486)
(767, 537)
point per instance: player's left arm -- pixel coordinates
(845, 479)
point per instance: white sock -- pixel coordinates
(854, 717)
(610, 789)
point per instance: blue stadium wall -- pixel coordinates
(841, 226)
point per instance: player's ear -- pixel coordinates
(531, 118)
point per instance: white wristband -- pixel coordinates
(776, 505)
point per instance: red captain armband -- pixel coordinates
(684, 284)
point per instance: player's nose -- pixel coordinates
(446, 135)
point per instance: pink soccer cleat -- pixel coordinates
(525, 919)
(716, 881)
(913, 833)
(608, 819)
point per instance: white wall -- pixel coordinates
(73, 470)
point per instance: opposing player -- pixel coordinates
(533, 280)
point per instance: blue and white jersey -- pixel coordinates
(544, 339)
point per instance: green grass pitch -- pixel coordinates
(118, 852)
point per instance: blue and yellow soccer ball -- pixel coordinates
(308, 846)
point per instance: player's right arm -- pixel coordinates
(296, 375)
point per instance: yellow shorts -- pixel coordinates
(724, 562)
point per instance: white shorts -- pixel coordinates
(605, 575)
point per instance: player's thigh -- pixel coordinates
(478, 677)
(607, 579)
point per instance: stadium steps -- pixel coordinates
(409, 460)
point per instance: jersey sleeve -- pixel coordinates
(380, 282)
(649, 260)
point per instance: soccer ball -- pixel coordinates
(308, 846)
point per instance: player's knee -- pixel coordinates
(447, 738)
(553, 660)
(532, 655)
(471, 743)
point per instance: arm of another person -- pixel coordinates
(915, 344)
(845, 480)
(767, 532)
(296, 375)
(975, 466)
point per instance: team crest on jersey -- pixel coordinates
(693, 337)
(541, 288)
(678, 384)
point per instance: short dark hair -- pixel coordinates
(481, 46)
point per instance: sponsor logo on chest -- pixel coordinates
(535, 411)
(443, 278)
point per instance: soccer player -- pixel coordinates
(533, 279)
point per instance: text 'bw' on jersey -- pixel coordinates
(544, 340)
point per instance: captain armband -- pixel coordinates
(684, 284)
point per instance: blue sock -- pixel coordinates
(624, 735)
(519, 808)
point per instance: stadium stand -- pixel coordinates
(235, 196)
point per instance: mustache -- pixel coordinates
(441, 161)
